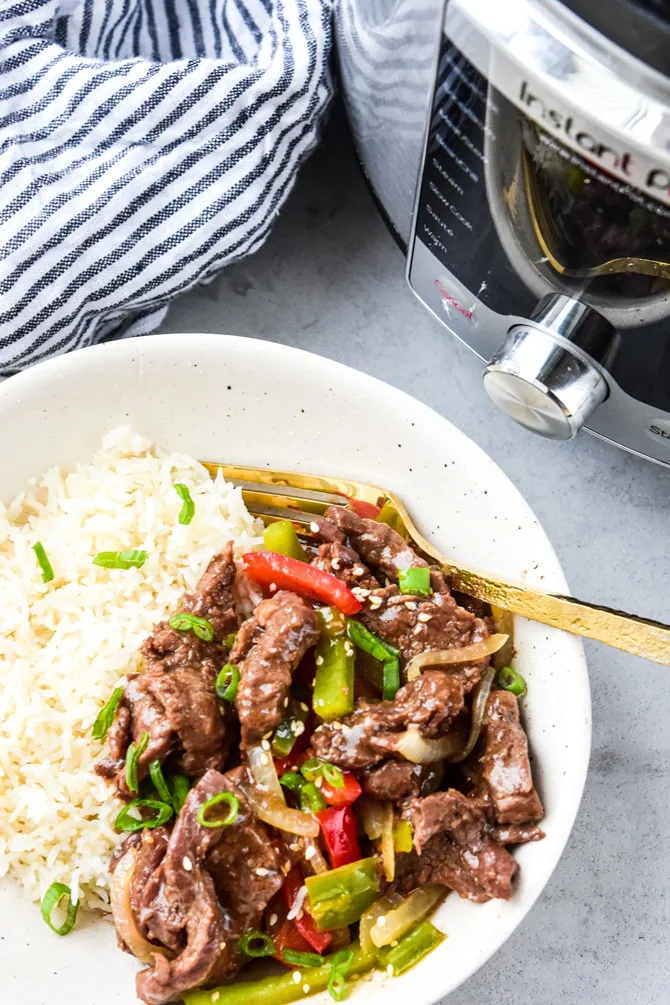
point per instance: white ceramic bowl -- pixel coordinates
(252, 402)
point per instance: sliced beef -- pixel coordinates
(377, 544)
(344, 563)
(428, 703)
(517, 833)
(393, 780)
(267, 650)
(503, 765)
(174, 699)
(454, 846)
(211, 886)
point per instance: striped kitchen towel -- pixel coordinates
(144, 144)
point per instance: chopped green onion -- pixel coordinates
(314, 767)
(311, 800)
(292, 781)
(105, 716)
(509, 680)
(339, 968)
(388, 655)
(179, 789)
(411, 948)
(281, 538)
(185, 622)
(256, 944)
(43, 562)
(230, 800)
(415, 581)
(135, 751)
(160, 784)
(188, 506)
(227, 682)
(125, 821)
(51, 899)
(133, 559)
(299, 959)
(230, 640)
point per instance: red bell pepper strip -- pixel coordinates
(305, 924)
(344, 796)
(268, 568)
(283, 932)
(338, 826)
(366, 510)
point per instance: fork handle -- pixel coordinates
(640, 636)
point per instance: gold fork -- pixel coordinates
(289, 495)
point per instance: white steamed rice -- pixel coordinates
(64, 646)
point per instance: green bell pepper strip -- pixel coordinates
(388, 655)
(282, 989)
(333, 694)
(339, 897)
(311, 800)
(411, 948)
(415, 581)
(282, 538)
(390, 516)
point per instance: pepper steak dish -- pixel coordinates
(317, 751)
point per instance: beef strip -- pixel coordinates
(428, 703)
(211, 886)
(267, 650)
(393, 780)
(341, 561)
(377, 544)
(174, 698)
(454, 846)
(502, 768)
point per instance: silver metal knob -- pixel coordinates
(542, 377)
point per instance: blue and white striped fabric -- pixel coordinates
(144, 144)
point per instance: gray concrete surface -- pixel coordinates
(330, 279)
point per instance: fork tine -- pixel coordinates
(313, 496)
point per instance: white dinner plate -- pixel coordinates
(251, 402)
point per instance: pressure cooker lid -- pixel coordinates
(642, 27)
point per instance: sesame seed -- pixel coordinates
(318, 781)
(310, 852)
(285, 702)
(425, 617)
(216, 995)
(296, 977)
(336, 725)
(304, 707)
(273, 587)
(297, 727)
(314, 527)
(319, 661)
(381, 920)
(263, 758)
(410, 605)
(265, 744)
(417, 630)
(368, 976)
(272, 920)
(305, 988)
(186, 862)
(295, 846)
(262, 871)
(394, 942)
(349, 649)
(389, 970)
(222, 945)
(358, 570)
(335, 564)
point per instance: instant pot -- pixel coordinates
(521, 151)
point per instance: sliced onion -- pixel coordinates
(276, 813)
(473, 653)
(316, 861)
(406, 915)
(372, 817)
(264, 772)
(387, 843)
(416, 748)
(480, 697)
(119, 895)
(368, 921)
